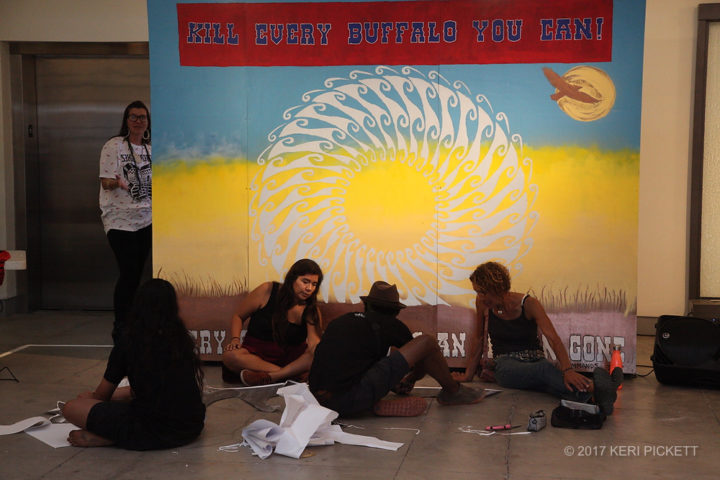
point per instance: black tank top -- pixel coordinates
(513, 335)
(260, 325)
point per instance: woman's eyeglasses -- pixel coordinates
(137, 118)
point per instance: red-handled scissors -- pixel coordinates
(494, 428)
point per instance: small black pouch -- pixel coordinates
(564, 417)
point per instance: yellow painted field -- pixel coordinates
(585, 235)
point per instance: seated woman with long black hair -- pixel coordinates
(162, 407)
(283, 323)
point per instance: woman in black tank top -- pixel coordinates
(515, 322)
(282, 329)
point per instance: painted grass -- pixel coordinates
(187, 286)
(582, 300)
(586, 299)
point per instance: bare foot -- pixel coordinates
(83, 438)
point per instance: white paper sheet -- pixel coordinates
(335, 433)
(304, 422)
(23, 425)
(53, 434)
(53, 431)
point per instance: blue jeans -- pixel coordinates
(541, 376)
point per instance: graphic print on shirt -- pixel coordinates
(139, 179)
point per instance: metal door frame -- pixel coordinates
(707, 14)
(23, 57)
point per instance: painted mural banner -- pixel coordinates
(416, 32)
(485, 130)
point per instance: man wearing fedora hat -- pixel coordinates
(363, 355)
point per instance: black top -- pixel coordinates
(260, 325)
(514, 335)
(350, 346)
(167, 396)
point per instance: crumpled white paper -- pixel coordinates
(304, 422)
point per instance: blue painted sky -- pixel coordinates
(231, 110)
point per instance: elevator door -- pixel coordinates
(80, 102)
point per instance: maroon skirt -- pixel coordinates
(272, 352)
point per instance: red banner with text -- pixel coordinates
(394, 33)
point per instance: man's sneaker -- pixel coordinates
(463, 396)
(252, 378)
(400, 407)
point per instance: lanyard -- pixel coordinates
(135, 163)
(132, 152)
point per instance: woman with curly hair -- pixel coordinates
(283, 323)
(515, 322)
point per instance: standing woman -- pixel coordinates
(162, 407)
(126, 203)
(282, 330)
(513, 321)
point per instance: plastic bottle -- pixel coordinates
(616, 360)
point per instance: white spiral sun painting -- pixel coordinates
(397, 175)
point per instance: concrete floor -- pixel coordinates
(645, 438)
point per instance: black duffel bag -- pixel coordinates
(687, 351)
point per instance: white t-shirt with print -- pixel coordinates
(131, 209)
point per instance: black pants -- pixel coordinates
(131, 250)
(374, 384)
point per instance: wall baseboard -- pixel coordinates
(13, 305)
(646, 325)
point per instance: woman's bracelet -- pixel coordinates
(233, 338)
(566, 370)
